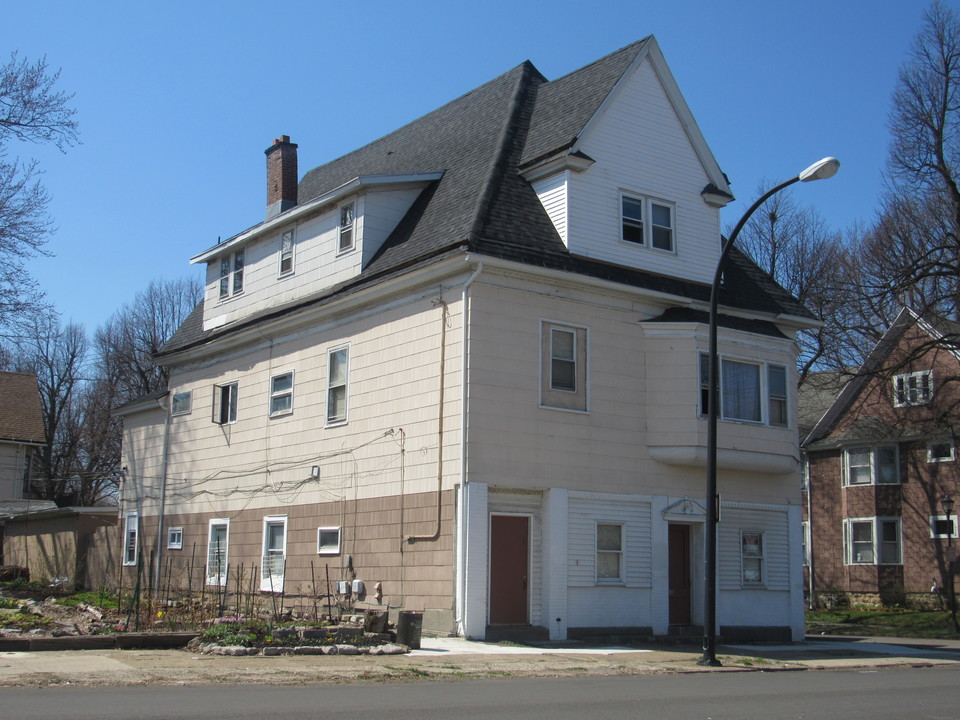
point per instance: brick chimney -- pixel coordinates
(281, 176)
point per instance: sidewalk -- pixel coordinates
(455, 658)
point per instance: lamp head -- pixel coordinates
(820, 170)
(947, 502)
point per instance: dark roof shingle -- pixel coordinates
(21, 417)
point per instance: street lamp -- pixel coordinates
(820, 170)
(946, 502)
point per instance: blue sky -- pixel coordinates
(177, 101)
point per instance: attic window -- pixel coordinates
(656, 232)
(346, 227)
(231, 275)
(914, 388)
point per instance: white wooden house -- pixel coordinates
(461, 365)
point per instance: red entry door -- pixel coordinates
(509, 569)
(678, 540)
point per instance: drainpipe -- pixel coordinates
(163, 494)
(809, 537)
(464, 388)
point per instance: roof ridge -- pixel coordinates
(529, 80)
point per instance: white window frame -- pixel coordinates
(620, 578)
(877, 543)
(913, 388)
(280, 395)
(805, 541)
(874, 464)
(935, 519)
(286, 253)
(181, 403)
(348, 230)
(646, 224)
(219, 579)
(331, 418)
(225, 401)
(937, 458)
(131, 538)
(553, 395)
(231, 275)
(758, 555)
(175, 538)
(328, 549)
(766, 398)
(273, 560)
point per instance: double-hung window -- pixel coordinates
(609, 553)
(231, 275)
(286, 253)
(564, 366)
(871, 541)
(281, 394)
(338, 360)
(913, 388)
(866, 465)
(751, 558)
(748, 392)
(217, 541)
(346, 228)
(225, 403)
(131, 528)
(647, 222)
(274, 553)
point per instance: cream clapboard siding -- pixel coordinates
(512, 440)
(318, 264)
(388, 445)
(142, 459)
(552, 192)
(11, 471)
(773, 523)
(633, 515)
(641, 148)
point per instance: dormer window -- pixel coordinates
(914, 388)
(346, 227)
(231, 275)
(647, 222)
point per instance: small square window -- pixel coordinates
(328, 541)
(943, 527)
(182, 403)
(941, 451)
(175, 538)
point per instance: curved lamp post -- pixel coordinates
(818, 171)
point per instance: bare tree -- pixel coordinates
(31, 110)
(803, 255)
(127, 342)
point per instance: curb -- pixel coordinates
(124, 641)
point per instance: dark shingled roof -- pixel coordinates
(21, 419)
(482, 204)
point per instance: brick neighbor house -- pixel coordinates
(879, 462)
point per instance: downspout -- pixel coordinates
(808, 540)
(444, 313)
(163, 494)
(464, 388)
